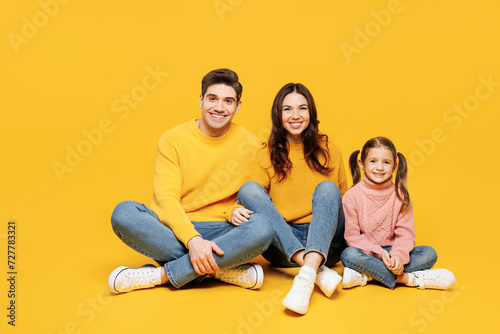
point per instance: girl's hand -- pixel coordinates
(240, 215)
(397, 265)
(386, 258)
(393, 263)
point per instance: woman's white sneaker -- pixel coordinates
(298, 298)
(125, 279)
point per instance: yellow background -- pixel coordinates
(65, 68)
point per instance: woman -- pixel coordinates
(297, 179)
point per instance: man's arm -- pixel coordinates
(167, 183)
(167, 191)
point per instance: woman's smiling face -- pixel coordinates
(295, 116)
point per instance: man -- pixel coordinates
(194, 227)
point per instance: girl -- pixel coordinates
(297, 179)
(379, 225)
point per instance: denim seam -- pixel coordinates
(289, 257)
(134, 246)
(170, 276)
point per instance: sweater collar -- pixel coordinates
(378, 186)
(208, 139)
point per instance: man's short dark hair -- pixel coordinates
(222, 76)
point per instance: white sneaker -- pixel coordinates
(434, 279)
(125, 279)
(352, 278)
(298, 297)
(248, 275)
(327, 280)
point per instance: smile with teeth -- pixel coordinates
(295, 125)
(379, 174)
(217, 116)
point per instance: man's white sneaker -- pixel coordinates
(125, 279)
(248, 275)
(434, 279)
(327, 280)
(352, 278)
(299, 295)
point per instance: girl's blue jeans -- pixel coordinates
(323, 234)
(140, 228)
(421, 257)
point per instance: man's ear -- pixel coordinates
(238, 106)
(201, 100)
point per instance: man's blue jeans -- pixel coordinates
(324, 234)
(421, 257)
(139, 227)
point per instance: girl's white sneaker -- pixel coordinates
(433, 279)
(352, 278)
(327, 280)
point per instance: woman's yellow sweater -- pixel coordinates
(293, 196)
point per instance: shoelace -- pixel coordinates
(235, 276)
(143, 278)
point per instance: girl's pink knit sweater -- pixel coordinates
(373, 220)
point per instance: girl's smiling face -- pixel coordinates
(295, 116)
(378, 165)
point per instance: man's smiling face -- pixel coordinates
(218, 107)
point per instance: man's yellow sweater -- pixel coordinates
(293, 196)
(197, 177)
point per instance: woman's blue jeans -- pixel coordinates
(323, 234)
(139, 227)
(421, 257)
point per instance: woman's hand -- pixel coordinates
(240, 215)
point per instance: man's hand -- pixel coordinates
(202, 258)
(240, 215)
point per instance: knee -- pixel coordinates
(346, 254)
(249, 188)
(249, 192)
(261, 228)
(121, 213)
(327, 189)
(430, 253)
(349, 255)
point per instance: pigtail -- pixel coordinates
(353, 165)
(400, 182)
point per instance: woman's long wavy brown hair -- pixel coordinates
(317, 157)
